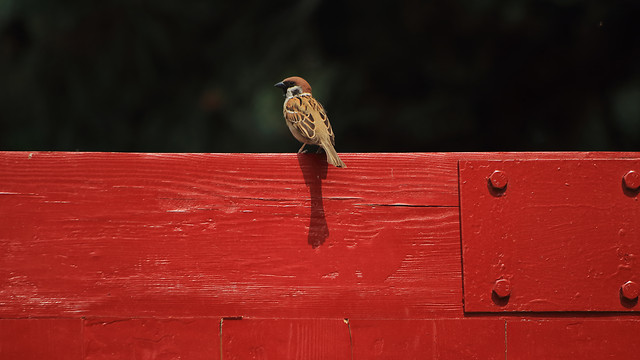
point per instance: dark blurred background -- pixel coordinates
(197, 76)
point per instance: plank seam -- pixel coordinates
(505, 341)
(346, 321)
(460, 232)
(409, 205)
(82, 338)
(220, 337)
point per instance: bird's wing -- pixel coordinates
(307, 115)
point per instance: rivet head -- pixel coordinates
(498, 180)
(502, 288)
(631, 180)
(630, 290)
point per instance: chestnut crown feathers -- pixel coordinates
(292, 82)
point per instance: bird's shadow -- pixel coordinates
(314, 170)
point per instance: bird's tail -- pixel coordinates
(332, 156)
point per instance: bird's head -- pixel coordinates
(293, 86)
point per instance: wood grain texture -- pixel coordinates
(564, 233)
(154, 248)
(286, 339)
(254, 235)
(36, 339)
(573, 339)
(188, 339)
(120, 235)
(428, 339)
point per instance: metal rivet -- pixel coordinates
(498, 180)
(630, 290)
(631, 180)
(502, 288)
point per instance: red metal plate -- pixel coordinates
(549, 235)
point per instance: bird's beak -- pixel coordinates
(282, 86)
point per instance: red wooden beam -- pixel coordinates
(286, 339)
(151, 338)
(36, 339)
(130, 235)
(428, 339)
(573, 339)
(152, 250)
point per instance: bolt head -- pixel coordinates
(502, 288)
(630, 290)
(631, 180)
(498, 180)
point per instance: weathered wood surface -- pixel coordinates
(286, 339)
(205, 338)
(196, 339)
(141, 255)
(573, 339)
(37, 339)
(109, 234)
(428, 339)
(119, 235)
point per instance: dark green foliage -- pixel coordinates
(197, 76)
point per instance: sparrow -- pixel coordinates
(306, 118)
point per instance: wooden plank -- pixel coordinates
(573, 339)
(285, 339)
(428, 339)
(190, 179)
(562, 235)
(37, 339)
(139, 235)
(383, 262)
(189, 339)
(470, 339)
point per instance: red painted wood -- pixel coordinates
(150, 339)
(564, 234)
(114, 236)
(414, 179)
(573, 339)
(428, 339)
(140, 235)
(285, 339)
(264, 235)
(37, 339)
(470, 339)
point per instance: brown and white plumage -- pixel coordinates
(306, 118)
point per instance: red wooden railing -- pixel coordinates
(277, 256)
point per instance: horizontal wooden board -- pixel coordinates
(121, 235)
(389, 179)
(573, 339)
(428, 339)
(192, 339)
(37, 339)
(286, 339)
(563, 233)
(380, 262)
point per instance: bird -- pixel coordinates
(306, 118)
